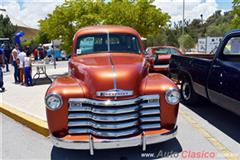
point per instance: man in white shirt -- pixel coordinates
(21, 57)
(14, 56)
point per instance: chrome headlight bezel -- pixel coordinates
(57, 97)
(169, 94)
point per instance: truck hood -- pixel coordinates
(108, 71)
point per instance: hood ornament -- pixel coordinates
(114, 93)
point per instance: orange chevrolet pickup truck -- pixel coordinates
(110, 100)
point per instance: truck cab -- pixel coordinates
(224, 74)
(110, 100)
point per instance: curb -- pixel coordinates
(32, 122)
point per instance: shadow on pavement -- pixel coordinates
(41, 81)
(45, 80)
(222, 119)
(169, 148)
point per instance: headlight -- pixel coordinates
(172, 96)
(53, 101)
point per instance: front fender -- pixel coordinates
(67, 87)
(159, 84)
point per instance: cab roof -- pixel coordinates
(106, 29)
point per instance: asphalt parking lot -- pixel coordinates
(204, 130)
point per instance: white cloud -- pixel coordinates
(193, 8)
(31, 11)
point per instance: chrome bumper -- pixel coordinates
(161, 66)
(92, 144)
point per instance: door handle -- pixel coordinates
(216, 66)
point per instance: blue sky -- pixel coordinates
(21, 3)
(225, 4)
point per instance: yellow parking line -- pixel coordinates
(34, 123)
(217, 144)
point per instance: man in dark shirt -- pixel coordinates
(6, 58)
(5, 50)
(1, 72)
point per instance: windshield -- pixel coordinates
(162, 51)
(107, 43)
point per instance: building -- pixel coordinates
(30, 32)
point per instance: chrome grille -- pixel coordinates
(113, 118)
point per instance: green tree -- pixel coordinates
(73, 15)
(218, 24)
(236, 14)
(218, 30)
(186, 42)
(157, 39)
(7, 29)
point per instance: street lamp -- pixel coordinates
(201, 18)
(183, 20)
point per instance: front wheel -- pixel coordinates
(189, 97)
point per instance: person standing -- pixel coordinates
(27, 69)
(6, 52)
(35, 54)
(6, 58)
(51, 50)
(1, 72)
(14, 56)
(40, 52)
(21, 57)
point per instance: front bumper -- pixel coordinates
(94, 143)
(160, 67)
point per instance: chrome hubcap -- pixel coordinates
(186, 91)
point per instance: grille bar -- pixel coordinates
(85, 123)
(102, 133)
(103, 118)
(150, 112)
(150, 126)
(104, 111)
(150, 119)
(150, 105)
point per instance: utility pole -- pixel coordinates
(183, 20)
(54, 54)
